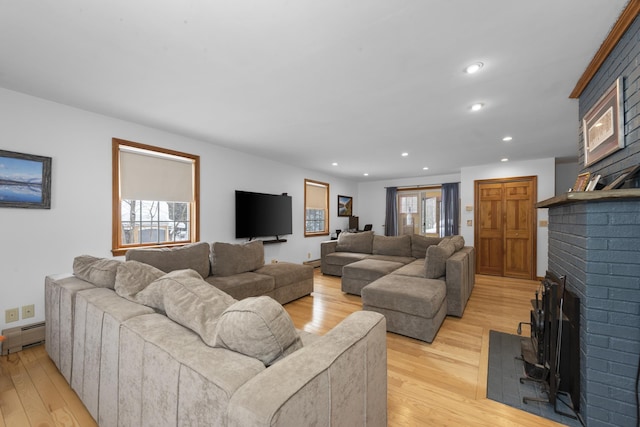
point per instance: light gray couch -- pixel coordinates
(415, 281)
(179, 359)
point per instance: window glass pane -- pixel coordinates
(146, 221)
(419, 211)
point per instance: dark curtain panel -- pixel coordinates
(450, 210)
(391, 216)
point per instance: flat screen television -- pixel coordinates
(262, 215)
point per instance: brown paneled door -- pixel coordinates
(505, 232)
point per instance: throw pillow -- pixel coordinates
(355, 242)
(190, 301)
(101, 272)
(258, 327)
(392, 245)
(435, 261)
(419, 244)
(228, 259)
(194, 256)
(133, 277)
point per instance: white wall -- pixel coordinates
(566, 174)
(544, 169)
(37, 242)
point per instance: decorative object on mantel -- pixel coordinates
(626, 174)
(345, 206)
(25, 180)
(581, 182)
(603, 125)
(593, 183)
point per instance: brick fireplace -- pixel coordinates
(594, 239)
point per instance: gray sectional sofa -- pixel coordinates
(145, 347)
(415, 281)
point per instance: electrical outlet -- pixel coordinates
(28, 311)
(308, 255)
(274, 261)
(11, 315)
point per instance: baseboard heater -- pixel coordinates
(21, 337)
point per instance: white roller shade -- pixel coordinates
(145, 176)
(316, 197)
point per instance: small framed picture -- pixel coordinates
(627, 173)
(581, 182)
(593, 183)
(25, 180)
(345, 206)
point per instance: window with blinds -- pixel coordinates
(155, 196)
(316, 208)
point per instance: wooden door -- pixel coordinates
(505, 232)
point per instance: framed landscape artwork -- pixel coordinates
(581, 182)
(25, 180)
(603, 125)
(345, 206)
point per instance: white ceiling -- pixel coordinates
(311, 82)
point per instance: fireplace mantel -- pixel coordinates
(590, 196)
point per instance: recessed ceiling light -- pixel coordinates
(365, 174)
(476, 107)
(473, 68)
(507, 138)
(405, 154)
(504, 160)
(334, 164)
(425, 168)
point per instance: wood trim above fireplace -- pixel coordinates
(586, 196)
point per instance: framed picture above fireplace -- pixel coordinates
(603, 125)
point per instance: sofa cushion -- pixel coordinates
(355, 242)
(458, 242)
(133, 277)
(419, 244)
(258, 327)
(190, 301)
(244, 285)
(344, 258)
(392, 245)
(436, 259)
(194, 256)
(286, 273)
(100, 272)
(228, 259)
(414, 269)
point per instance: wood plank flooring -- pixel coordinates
(438, 384)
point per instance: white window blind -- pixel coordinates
(145, 175)
(316, 196)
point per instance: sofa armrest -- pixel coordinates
(460, 277)
(327, 247)
(339, 379)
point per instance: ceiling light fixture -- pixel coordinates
(507, 138)
(477, 107)
(473, 68)
(405, 154)
(334, 164)
(425, 168)
(504, 160)
(365, 174)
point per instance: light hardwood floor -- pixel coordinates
(438, 384)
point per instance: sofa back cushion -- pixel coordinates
(355, 242)
(228, 259)
(258, 327)
(419, 244)
(133, 277)
(100, 272)
(435, 261)
(392, 245)
(458, 242)
(194, 256)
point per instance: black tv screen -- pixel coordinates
(261, 215)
